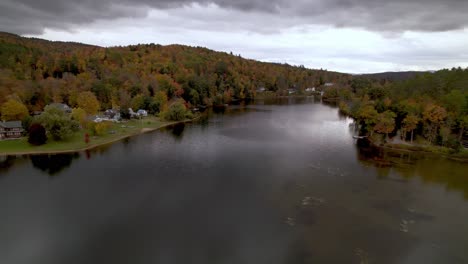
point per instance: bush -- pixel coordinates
(176, 112)
(189, 115)
(57, 123)
(99, 129)
(124, 113)
(37, 135)
(26, 122)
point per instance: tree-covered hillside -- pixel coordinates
(38, 72)
(430, 106)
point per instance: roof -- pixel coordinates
(11, 124)
(60, 106)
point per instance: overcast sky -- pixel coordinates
(354, 36)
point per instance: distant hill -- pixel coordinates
(393, 76)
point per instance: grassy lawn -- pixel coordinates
(77, 142)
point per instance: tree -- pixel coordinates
(59, 124)
(176, 112)
(368, 115)
(194, 97)
(385, 123)
(455, 101)
(125, 113)
(27, 122)
(79, 115)
(14, 110)
(37, 135)
(444, 134)
(434, 116)
(88, 102)
(160, 99)
(463, 125)
(138, 102)
(410, 123)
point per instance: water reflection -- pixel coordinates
(429, 168)
(6, 162)
(178, 130)
(53, 164)
(282, 182)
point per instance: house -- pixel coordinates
(110, 113)
(328, 84)
(10, 129)
(95, 119)
(63, 107)
(261, 89)
(309, 90)
(292, 91)
(142, 113)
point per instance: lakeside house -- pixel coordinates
(310, 89)
(137, 114)
(261, 89)
(292, 90)
(63, 107)
(110, 113)
(116, 118)
(10, 129)
(142, 113)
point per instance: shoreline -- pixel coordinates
(143, 130)
(424, 150)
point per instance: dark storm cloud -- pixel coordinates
(32, 16)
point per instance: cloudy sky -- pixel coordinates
(353, 36)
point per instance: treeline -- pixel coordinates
(431, 106)
(38, 72)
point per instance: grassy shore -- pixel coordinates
(76, 142)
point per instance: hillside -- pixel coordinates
(39, 72)
(393, 76)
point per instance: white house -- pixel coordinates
(11, 129)
(142, 112)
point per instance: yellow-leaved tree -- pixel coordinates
(14, 110)
(88, 102)
(79, 115)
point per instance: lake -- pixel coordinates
(270, 182)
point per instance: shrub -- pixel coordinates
(57, 123)
(37, 135)
(189, 115)
(176, 112)
(99, 129)
(125, 113)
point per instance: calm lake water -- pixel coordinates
(264, 183)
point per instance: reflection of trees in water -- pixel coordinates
(103, 148)
(6, 162)
(204, 121)
(332, 103)
(53, 164)
(178, 130)
(429, 168)
(219, 110)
